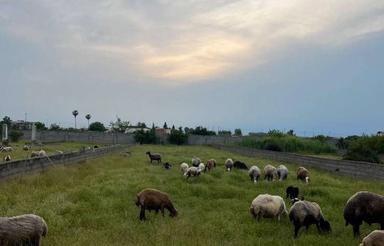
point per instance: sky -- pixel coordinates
(313, 66)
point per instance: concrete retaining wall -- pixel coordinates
(343, 167)
(37, 164)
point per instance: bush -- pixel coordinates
(15, 135)
(145, 137)
(178, 137)
(276, 142)
(97, 127)
(365, 149)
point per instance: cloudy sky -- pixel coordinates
(313, 66)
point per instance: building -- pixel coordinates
(133, 129)
(380, 133)
(21, 125)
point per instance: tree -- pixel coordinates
(75, 113)
(119, 125)
(40, 126)
(54, 127)
(145, 137)
(201, 131)
(15, 135)
(291, 132)
(88, 117)
(6, 120)
(141, 125)
(238, 132)
(165, 125)
(97, 127)
(178, 137)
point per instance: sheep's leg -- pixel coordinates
(297, 228)
(142, 213)
(162, 210)
(356, 230)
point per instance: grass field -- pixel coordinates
(93, 203)
(52, 148)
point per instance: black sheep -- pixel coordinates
(292, 192)
(154, 157)
(364, 206)
(240, 165)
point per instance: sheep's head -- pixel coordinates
(294, 200)
(173, 212)
(307, 180)
(148, 153)
(325, 226)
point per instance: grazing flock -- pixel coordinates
(363, 206)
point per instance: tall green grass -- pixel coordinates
(289, 143)
(93, 203)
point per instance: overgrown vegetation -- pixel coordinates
(145, 137)
(366, 148)
(93, 203)
(278, 141)
(97, 126)
(178, 136)
(15, 136)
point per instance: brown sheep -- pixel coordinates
(25, 229)
(375, 238)
(364, 206)
(152, 199)
(303, 174)
(210, 164)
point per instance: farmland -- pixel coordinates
(93, 203)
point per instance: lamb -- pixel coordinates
(167, 165)
(152, 199)
(40, 153)
(184, 167)
(192, 171)
(254, 173)
(269, 172)
(201, 167)
(228, 164)
(240, 165)
(154, 157)
(305, 213)
(292, 192)
(375, 238)
(364, 206)
(27, 229)
(196, 161)
(268, 206)
(282, 172)
(26, 147)
(6, 149)
(303, 174)
(211, 164)
(7, 158)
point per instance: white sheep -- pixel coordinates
(282, 172)
(6, 149)
(201, 167)
(375, 238)
(40, 153)
(184, 167)
(196, 161)
(7, 158)
(254, 173)
(229, 164)
(268, 206)
(24, 229)
(192, 171)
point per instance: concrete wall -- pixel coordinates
(92, 137)
(343, 167)
(37, 164)
(118, 138)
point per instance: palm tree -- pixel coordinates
(75, 113)
(88, 117)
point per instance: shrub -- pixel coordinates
(365, 149)
(145, 137)
(178, 137)
(97, 126)
(15, 135)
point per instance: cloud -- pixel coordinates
(180, 42)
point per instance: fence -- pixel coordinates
(343, 167)
(37, 164)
